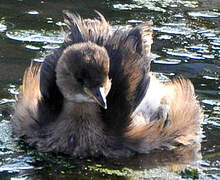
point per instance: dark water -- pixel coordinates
(186, 42)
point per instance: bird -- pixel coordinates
(96, 96)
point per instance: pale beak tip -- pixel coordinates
(98, 95)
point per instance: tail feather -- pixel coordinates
(31, 82)
(185, 110)
(183, 113)
(25, 116)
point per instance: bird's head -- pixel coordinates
(82, 73)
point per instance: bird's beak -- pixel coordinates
(98, 95)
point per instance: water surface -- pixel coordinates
(186, 42)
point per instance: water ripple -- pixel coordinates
(216, 42)
(164, 37)
(3, 27)
(159, 5)
(203, 47)
(13, 90)
(167, 61)
(17, 165)
(4, 101)
(33, 36)
(211, 78)
(205, 14)
(126, 6)
(184, 53)
(33, 12)
(35, 48)
(175, 29)
(5, 138)
(51, 46)
(134, 21)
(211, 102)
(155, 5)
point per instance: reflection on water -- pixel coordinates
(186, 42)
(15, 159)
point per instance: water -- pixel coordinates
(186, 42)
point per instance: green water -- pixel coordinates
(186, 42)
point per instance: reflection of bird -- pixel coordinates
(95, 96)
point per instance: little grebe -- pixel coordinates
(95, 96)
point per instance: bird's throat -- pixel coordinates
(83, 114)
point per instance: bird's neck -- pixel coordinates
(80, 128)
(84, 111)
(84, 116)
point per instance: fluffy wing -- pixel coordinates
(84, 30)
(130, 56)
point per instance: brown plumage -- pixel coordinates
(95, 96)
